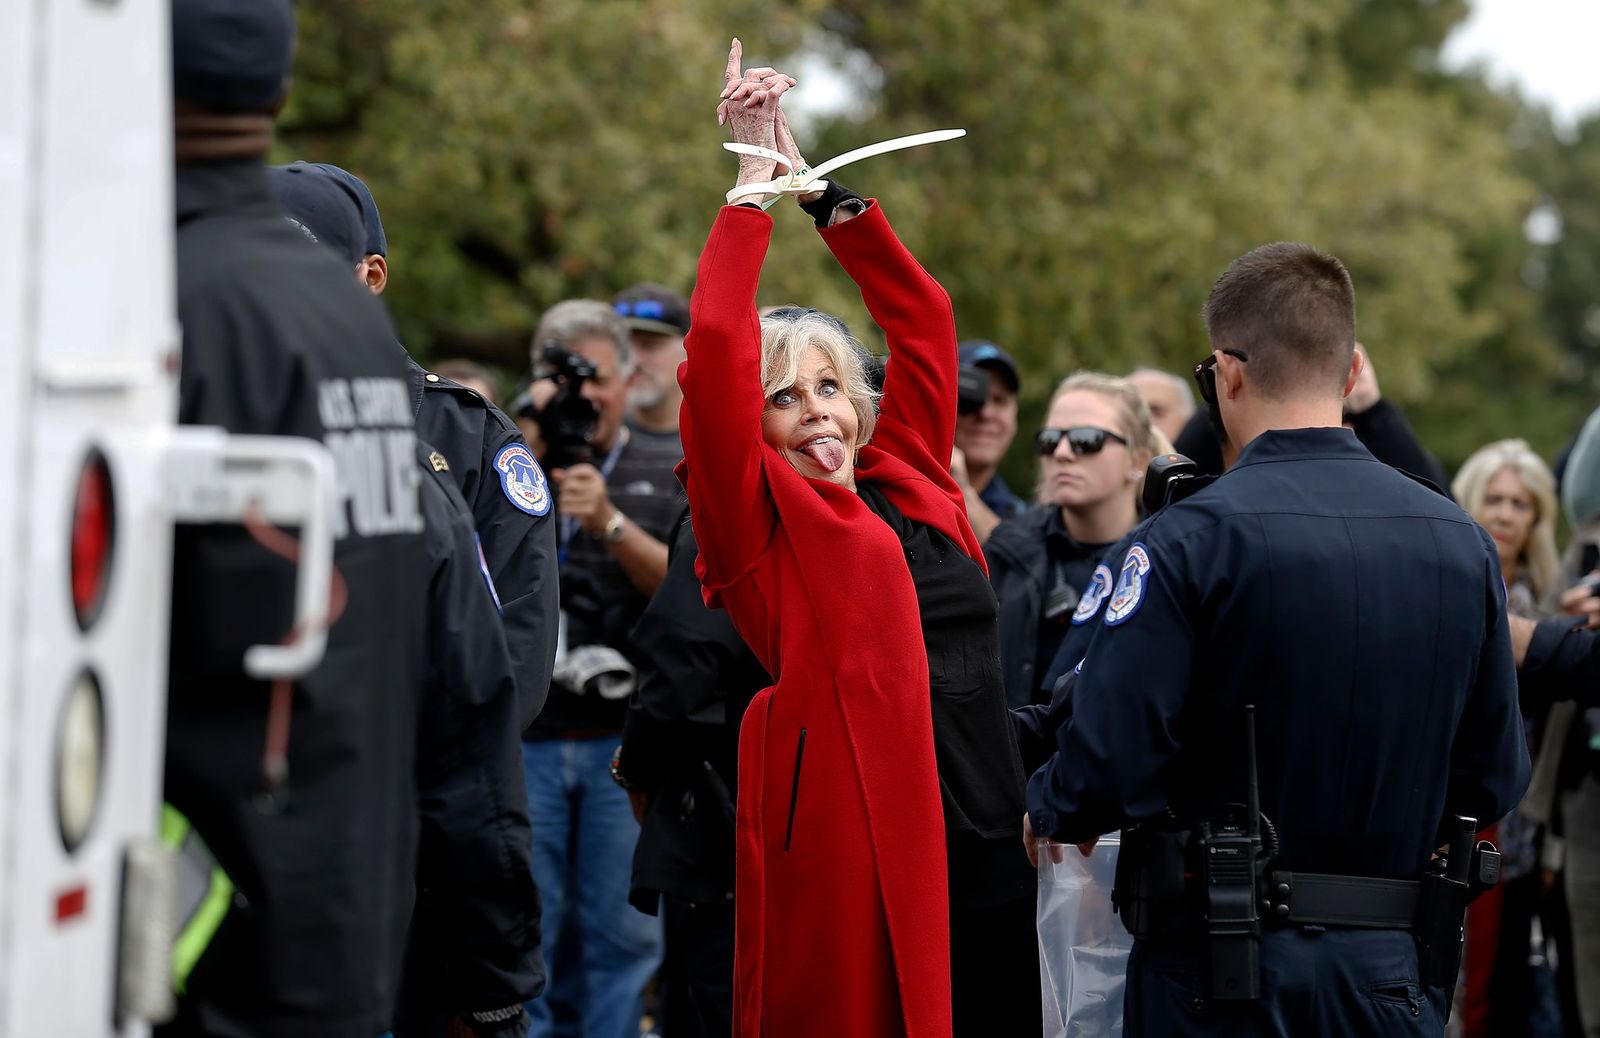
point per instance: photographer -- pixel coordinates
(986, 423)
(618, 499)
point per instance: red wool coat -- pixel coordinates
(842, 910)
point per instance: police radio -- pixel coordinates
(1168, 478)
(1228, 853)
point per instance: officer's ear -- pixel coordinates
(1230, 375)
(1358, 361)
(373, 271)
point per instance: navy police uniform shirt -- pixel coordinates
(512, 506)
(1364, 617)
(474, 944)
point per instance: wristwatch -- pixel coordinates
(613, 528)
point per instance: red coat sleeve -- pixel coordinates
(733, 512)
(915, 314)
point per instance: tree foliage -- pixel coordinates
(1119, 155)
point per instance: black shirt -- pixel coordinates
(980, 770)
(600, 602)
(1072, 563)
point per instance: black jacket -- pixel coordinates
(279, 339)
(511, 506)
(1020, 567)
(696, 676)
(475, 936)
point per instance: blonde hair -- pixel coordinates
(1133, 414)
(788, 333)
(1133, 418)
(1471, 487)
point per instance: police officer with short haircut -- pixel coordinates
(498, 476)
(314, 833)
(1362, 616)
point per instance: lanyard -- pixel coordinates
(807, 179)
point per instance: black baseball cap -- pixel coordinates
(323, 206)
(376, 242)
(232, 55)
(985, 354)
(648, 307)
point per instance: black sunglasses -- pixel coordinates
(1205, 375)
(1083, 439)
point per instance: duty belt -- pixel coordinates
(1321, 899)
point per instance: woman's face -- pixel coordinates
(1075, 481)
(812, 423)
(1508, 513)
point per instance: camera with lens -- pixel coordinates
(569, 419)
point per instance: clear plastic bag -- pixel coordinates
(1083, 946)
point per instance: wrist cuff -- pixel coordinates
(834, 195)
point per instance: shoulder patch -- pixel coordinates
(438, 462)
(1132, 583)
(1094, 595)
(522, 479)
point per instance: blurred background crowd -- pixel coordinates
(534, 161)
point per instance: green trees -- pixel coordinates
(1119, 155)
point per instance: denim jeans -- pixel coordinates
(584, 828)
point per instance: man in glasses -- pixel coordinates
(1363, 617)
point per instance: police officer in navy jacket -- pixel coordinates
(1363, 616)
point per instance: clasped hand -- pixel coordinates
(749, 107)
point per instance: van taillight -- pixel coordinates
(93, 532)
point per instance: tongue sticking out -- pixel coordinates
(827, 453)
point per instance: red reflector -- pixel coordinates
(71, 903)
(93, 525)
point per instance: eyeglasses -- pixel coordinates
(1205, 375)
(647, 309)
(1083, 439)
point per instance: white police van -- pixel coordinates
(93, 476)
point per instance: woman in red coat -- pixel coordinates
(850, 569)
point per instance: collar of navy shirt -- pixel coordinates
(1293, 444)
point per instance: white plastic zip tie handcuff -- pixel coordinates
(807, 179)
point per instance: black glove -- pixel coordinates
(835, 195)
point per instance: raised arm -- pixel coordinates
(915, 314)
(722, 400)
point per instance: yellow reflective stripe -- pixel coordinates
(174, 827)
(202, 925)
(196, 935)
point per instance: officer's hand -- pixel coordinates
(1034, 844)
(1582, 601)
(584, 497)
(1366, 394)
(1087, 849)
